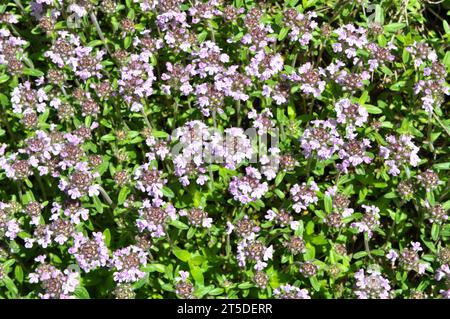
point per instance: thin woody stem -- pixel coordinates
(99, 30)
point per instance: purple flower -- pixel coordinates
(85, 64)
(24, 97)
(310, 79)
(232, 83)
(209, 60)
(369, 221)
(371, 285)
(80, 182)
(302, 25)
(197, 217)
(9, 226)
(136, 80)
(353, 153)
(290, 292)
(90, 253)
(322, 139)
(380, 55)
(127, 262)
(150, 180)
(399, 151)
(350, 39)
(56, 284)
(350, 114)
(178, 77)
(209, 98)
(63, 49)
(153, 216)
(253, 251)
(264, 66)
(248, 188)
(303, 195)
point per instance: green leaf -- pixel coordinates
(4, 78)
(33, 72)
(216, 292)
(405, 56)
(177, 224)
(181, 254)
(279, 193)
(435, 229)
(160, 134)
(377, 252)
(446, 27)
(10, 285)
(107, 234)
(190, 233)
(95, 43)
(430, 197)
(328, 203)
(393, 27)
(310, 228)
(155, 267)
(442, 166)
(28, 182)
(279, 178)
(18, 273)
(167, 192)
(202, 36)
(397, 86)
(82, 293)
(283, 33)
(200, 292)
(372, 109)
(319, 240)
(379, 14)
(108, 138)
(197, 274)
(123, 195)
(246, 285)
(127, 42)
(360, 254)
(314, 283)
(197, 260)
(98, 204)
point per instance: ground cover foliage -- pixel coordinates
(224, 149)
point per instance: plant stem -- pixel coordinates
(211, 31)
(175, 114)
(238, 112)
(105, 195)
(99, 30)
(308, 167)
(430, 130)
(366, 245)
(441, 124)
(17, 2)
(214, 119)
(146, 119)
(41, 186)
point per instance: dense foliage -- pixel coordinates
(224, 149)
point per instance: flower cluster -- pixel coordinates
(273, 150)
(369, 222)
(56, 284)
(248, 188)
(304, 195)
(90, 253)
(401, 151)
(291, 292)
(127, 262)
(371, 284)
